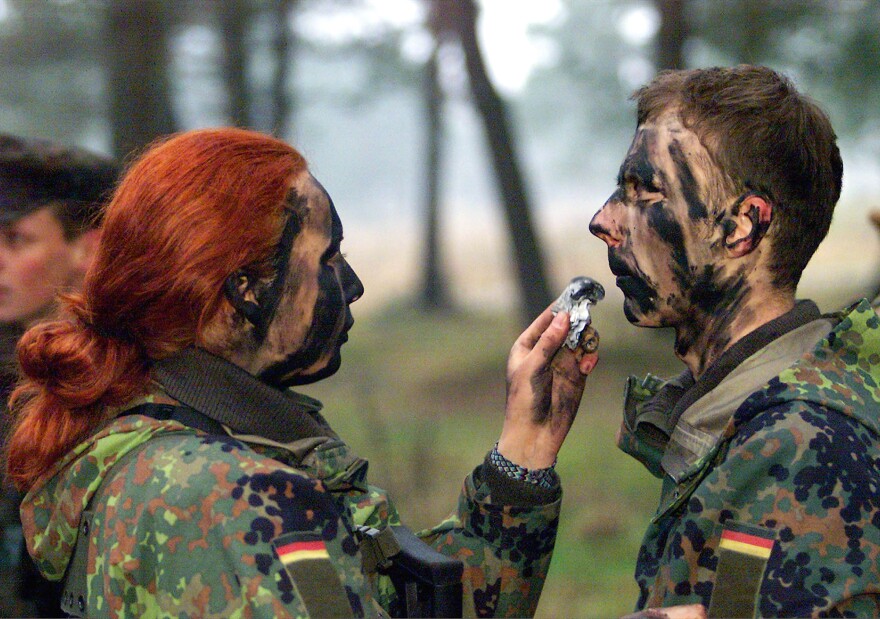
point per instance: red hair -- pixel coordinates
(191, 211)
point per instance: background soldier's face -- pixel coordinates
(36, 262)
(663, 226)
(313, 316)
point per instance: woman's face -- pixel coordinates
(311, 323)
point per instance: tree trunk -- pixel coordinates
(529, 260)
(234, 16)
(281, 97)
(139, 89)
(435, 294)
(672, 35)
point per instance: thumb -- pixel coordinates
(554, 335)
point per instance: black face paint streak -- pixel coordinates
(728, 226)
(321, 339)
(670, 230)
(689, 188)
(712, 294)
(716, 302)
(634, 286)
(637, 167)
(267, 296)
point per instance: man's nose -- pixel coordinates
(601, 226)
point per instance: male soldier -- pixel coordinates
(49, 198)
(767, 444)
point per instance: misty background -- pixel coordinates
(466, 145)
(345, 81)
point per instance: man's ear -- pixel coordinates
(751, 219)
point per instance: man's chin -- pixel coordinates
(637, 317)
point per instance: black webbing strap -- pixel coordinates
(189, 417)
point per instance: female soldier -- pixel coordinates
(156, 433)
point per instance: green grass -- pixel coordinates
(422, 397)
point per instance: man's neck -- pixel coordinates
(702, 340)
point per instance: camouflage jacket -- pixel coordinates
(184, 523)
(771, 479)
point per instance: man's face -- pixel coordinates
(664, 228)
(36, 261)
(313, 317)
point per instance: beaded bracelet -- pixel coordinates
(539, 477)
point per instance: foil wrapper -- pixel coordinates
(581, 293)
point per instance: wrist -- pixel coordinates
(542, 477)
(527, 449)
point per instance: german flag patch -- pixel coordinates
(743, 551)
(746, 543)
(308, 563)
(306, 550)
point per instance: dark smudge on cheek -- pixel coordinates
(321, 338)
(689, 188)
(671, 233)
(633, 284)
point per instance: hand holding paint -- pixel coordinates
(542, 397)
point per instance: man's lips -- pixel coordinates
(618, 267)
(343, 336)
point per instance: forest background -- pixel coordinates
(466, 146)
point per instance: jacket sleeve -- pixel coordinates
(808, 478)
(504, 532)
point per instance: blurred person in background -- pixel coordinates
(50, 196)
(171, 471)
(767, 443)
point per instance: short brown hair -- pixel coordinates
(764, 136)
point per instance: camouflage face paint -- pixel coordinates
(689, 188)
(321, 287)
(664, 226)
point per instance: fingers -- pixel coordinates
(533, 332)
(588, 363)
(553, 336)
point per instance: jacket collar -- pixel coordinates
(226, 393)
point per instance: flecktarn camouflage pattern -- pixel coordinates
(187, 524)
(790, 495)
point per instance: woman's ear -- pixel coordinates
(751, 219)
(238, 289)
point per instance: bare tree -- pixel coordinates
(461, 16)
(283, 43)
(139, 89)
(234, 16)
(435, 291)
(672, 35)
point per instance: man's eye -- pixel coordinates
(13, 238)
(641, 192)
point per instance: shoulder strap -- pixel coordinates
(189, 417)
